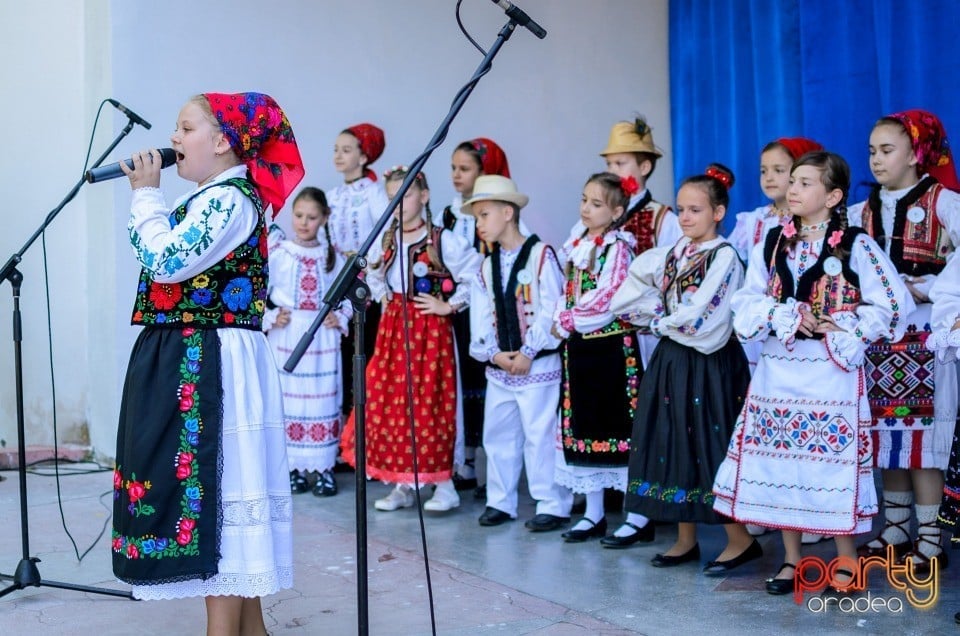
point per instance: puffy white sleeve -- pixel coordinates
(217, 221)
(538, 336)
(463, 262)
(639, 299)
(592, 311)
(885, 303)
(376, 278)
(702, 321)
(945, 294)
(670, 231)
(755, 314)
(483, 335)
(948, 211)
(855, 214)
(741, 236)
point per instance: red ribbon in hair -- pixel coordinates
(260, 134)
(798, 146)
(720, 176)
(492, 158)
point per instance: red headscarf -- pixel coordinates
(492, 158)
(798, 146)
(371, 141)
(261, 136)
(929, 141)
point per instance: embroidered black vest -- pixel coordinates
(916, 248)
(437, 282)
(824, 293)
(231, 293)
(643, 221)
(688, 278)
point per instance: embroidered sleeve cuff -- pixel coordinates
(270, 318)
(785, 320)
(945, 343)
(845, 349)
(566, 321)
(655, 327)
(528, 351)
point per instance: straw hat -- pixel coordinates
(493, 187)
(635, 136)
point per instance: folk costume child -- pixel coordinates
(693, 388)
(470, 160)
(422, 274)
(511, 312)
(302, 269)
(601, 358)
(914, 214)
(355, 206)
(201, 497)
(817, 293)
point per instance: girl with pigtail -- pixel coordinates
(817, 293)
(694, 385)
(600, 354)
(420, 273)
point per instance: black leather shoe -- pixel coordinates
(464, 483)
(664, 561)
(779, 587)
(480, 492)
(719, 568)
(640, 535)
(579, 536)
(493, 517)
(545, 523)
(298, 483)
(326, 485)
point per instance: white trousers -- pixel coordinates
(520, 429)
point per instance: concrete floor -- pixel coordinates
(485, 580)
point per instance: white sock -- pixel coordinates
(626, 531)
(927, 519)
(594, 511)
(893, 534)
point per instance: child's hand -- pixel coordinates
(956, 326)
(521, 364)
(428, 304)
(918, 295)
(808, 322)
(504, 360)
(556, 333)
(146, 169)
(283, 318)
(330, 321)
(827, 325)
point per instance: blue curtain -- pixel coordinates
(744, 72)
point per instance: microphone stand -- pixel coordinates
(27, 573)
(349, 285)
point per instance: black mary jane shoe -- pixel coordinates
(719, 568)
(779, 587)
(545, 523)
(597, 529)
(326, 485)
(666, 561)
(493, 517)
(639, 535)
(298, 483)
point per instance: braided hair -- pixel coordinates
(615, 195)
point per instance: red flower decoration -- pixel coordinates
(136, 491)
(184, 459)
(789, 230)
(184, 537)
(186, 523)
(117, 480)
(186, 403)
(187, 389)
(835, 238)
(720, 176)
(132, 551)
(598, 240)
(629, 186)
(184, 471)
(163, 296)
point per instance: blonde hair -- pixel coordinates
(399, 173)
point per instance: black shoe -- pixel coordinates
(326, 485)
(298, 483)
(579, 536)
(956, 618)
(480, 492)
(779, 587)
(640, 535)
(664, 561)
(718, 568)
(545, 523)
(494, 517)
(464, 483)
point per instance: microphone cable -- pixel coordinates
(53, 383)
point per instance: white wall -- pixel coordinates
(330, 64)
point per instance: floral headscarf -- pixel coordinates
(492, 158)
(372, 142)
(260, 134)
(929, 141)
(798, 146)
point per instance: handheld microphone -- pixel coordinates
(168, 157)
(135, 118)
(516, 14)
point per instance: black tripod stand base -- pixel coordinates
(27, 575)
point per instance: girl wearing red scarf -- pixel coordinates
(201, 496)
(914, 214)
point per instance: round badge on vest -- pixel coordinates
(916, 215)
(524, 277)
(420, 269)
(832, 266)
(422, 285)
